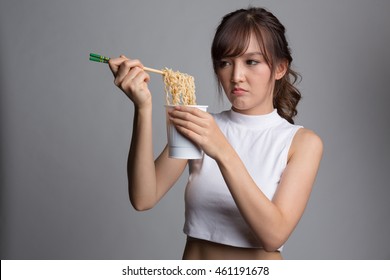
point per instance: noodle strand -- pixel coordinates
(179, 88)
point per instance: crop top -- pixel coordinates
(262, 142)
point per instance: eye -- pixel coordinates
(223, 63)
(252, 62)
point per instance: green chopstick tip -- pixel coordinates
(94, 55)
(98, 58)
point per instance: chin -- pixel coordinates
(240, 107)
(239, 104)
(240, 110)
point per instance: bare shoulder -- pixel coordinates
(307, 141)
(306, 136)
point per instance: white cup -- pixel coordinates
(178, 145)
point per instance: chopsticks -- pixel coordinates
(98, 58)
(103, 59)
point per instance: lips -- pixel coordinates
(239, 91)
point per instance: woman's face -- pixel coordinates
(247, 82)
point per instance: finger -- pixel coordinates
(135, 79)
(114, 63)
(195, 116)
(125, 67)
(193, 110)
(142, 76)
(187, 125)
(188, 133)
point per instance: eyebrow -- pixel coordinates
(253, 53)
(245, 55)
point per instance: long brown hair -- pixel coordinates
(232, 39)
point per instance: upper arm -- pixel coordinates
(168, 171)
(298, 177)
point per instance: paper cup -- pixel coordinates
(178, 145)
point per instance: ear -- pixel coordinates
(281, 69)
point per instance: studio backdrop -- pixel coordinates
(66, 129)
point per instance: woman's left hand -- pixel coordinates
(201, 128)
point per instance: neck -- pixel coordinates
(254, 111)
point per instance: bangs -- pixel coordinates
(232, 40)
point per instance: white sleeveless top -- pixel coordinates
(262, 142)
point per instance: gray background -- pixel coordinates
(65, 127)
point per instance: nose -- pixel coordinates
(237, 74)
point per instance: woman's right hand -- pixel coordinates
(131, 79)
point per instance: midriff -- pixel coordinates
(197, 249)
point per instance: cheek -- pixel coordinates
(264, 71)
(262, 77)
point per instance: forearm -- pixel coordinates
(141, 168)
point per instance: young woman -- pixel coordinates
(248, 192)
